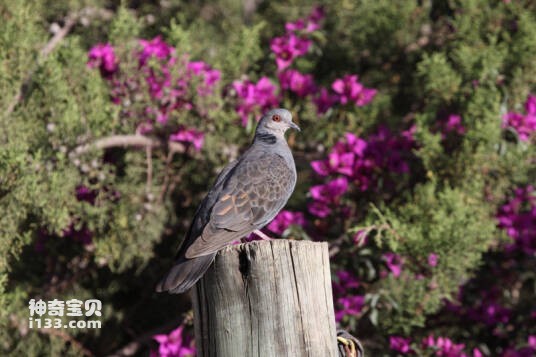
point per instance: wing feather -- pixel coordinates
(251, 197)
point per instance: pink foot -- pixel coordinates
(262, 235)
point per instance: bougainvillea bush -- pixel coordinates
(416, 162)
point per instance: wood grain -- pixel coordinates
(268, 298)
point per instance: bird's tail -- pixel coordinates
(184, 274)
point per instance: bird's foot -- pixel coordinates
(348, 345)
(261, 235)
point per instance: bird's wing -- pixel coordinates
(252, 194)
(202, 214)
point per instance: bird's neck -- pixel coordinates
(266, 138)
(270, 138)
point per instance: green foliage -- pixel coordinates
(124, 26)
(447, 221)
(427, 59)
(441, 81)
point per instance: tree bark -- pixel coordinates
(268, 298)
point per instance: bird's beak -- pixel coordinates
(294, 126)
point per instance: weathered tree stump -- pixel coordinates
(270, 298)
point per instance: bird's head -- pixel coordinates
(276, 122)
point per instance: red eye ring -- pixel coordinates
(276, 118)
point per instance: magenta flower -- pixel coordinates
(347, 300)
(254, 97)
(522, 352)
(349, 306)
(301, 84)
(190, 136)
(297, 25)
(324, 100)
(345, 281)
(319, 209)
(400, 344)
(198, 67)
(444, 347)
(176, 344)
(518, 218)
(317, 14)
(84, 194)
(488, 310)
(161, 118)
(210, 76)
(524, 125)
(287, 48)
(343, 157)
(295, 42)
(349, 90)
(492, 314)
(532, 342)
(394, 263)
(433, 259)
(155, 48)
(453, 124)
(365, 163)
(103, 57)
(327, 196)
(284, 220)
(310, 24)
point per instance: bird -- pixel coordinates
(246, 196)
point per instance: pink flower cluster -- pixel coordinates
(400, 344)
(491, 314)
(168, 80)
(444, 347)
(255, 97)
(189, 136)
(156, 48)
(300, 84)
(394, 263)
(102, 56)
(452, 124)
(284, 220)
(326, 197)
(346, 90)
(349, 90)
(361, 162)
(158, 61)
(324, 100)
(175, 344)
(433, 260)
(347, 301)
(295, 42)
(440, 347)
(523, 124)
(518, 218)
(527, 351)
(485, 309)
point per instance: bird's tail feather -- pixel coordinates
(184, 274)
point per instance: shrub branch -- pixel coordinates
(134, 140)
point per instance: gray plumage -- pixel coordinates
(246, 196)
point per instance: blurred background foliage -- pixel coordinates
(419, 253)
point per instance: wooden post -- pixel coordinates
(267, 298)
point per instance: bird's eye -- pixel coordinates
(276, 118)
